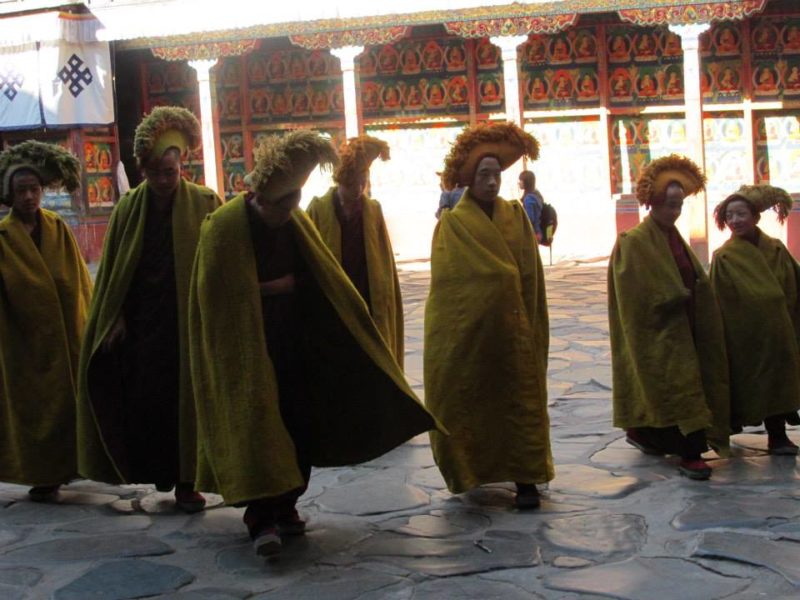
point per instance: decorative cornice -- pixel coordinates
(356, 37)
(693, 13)
(206, 51)
(511, 26)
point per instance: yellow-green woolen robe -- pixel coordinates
(386, 302)
(757, 290)
(97, 419)
(486, 345)
(663, 373)
(44, 298)
(361, 405)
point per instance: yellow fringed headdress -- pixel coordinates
(761, 197)
(505, 141)
(652, 185)
(165, 127)
(53, 165)
(283, 164)
(357, 155)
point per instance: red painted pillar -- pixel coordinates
(627, 212)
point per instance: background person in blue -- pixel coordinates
(448, 198)
(532, 201)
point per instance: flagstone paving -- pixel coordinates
(614, 523)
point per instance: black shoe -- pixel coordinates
(44, 493)
(634, 440)
(527, 497)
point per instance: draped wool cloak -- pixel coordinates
(359, 404)
(99, 448)
(665, 374)
(386, 303)
(757, 289)
(44, 299)
(486, 346)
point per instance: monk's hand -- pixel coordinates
(277, 287)
(117, 334)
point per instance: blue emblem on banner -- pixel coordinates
(74, 77)
(10, 82)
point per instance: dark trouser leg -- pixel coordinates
(776, 428)
(670, 440)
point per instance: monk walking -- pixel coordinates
(136, 421)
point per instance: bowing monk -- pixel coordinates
(486, 325)
(670, 371)
(289, 369)
(757, 281)
(45, 291)
(352, 226)
(136, 421)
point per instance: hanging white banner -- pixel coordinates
(76, 83)
(19, 88)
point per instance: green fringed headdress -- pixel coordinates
(165, 127)
(760, 197)
(357, 155)
(652, 186)
(53, 165)
(283, 163)
(506, 141)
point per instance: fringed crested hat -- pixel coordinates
(656, 177)
(357, 155)
(505, 141)
(283, 164)
(761, 198)
(53, 165)
(165, 127)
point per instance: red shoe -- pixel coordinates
(187, 499)
(695, 468)
(290, 524)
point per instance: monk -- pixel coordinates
(352, 226)
(486, 325)
(136, 421)
(757, 281)
(670, 372)
(288, 367)
(45, 291)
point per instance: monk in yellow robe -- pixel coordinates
(352, 226)
(486, 325)
(136, 420)
(670, 372)
(289, 369)
(45, 291)
(757, 283)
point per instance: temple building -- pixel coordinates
(606, 86)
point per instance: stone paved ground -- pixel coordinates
(614, 523)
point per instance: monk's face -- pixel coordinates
(275, 213)
(351, 191)
(741, 218)
(27, 194)
(668, 211)
(163, 175)
(486, 184)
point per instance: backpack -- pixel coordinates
(548, 222)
